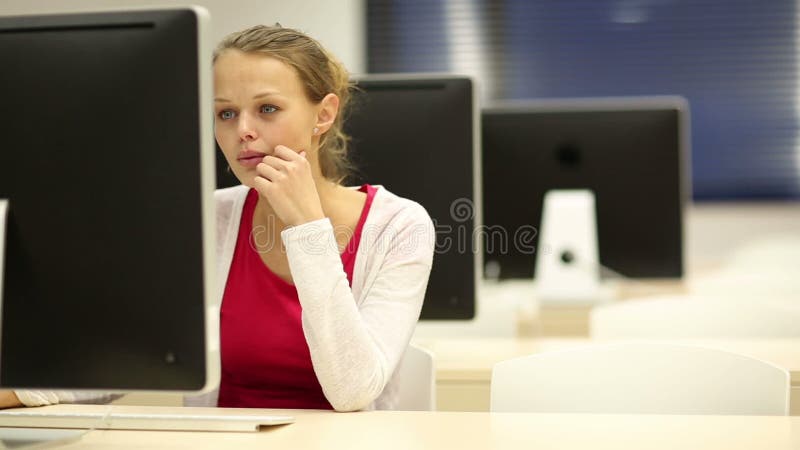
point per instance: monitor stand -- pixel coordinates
(567, 258)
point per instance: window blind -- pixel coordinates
(734, 60)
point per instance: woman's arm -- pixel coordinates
(355, 348)
(8, 399)
(43, 398)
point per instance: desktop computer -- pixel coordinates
(631, 154)
(106, 171)
(107, 223)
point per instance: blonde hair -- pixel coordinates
(320, 74)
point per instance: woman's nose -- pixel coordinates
(247, 131)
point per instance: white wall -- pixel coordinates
(339, 25)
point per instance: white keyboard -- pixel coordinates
(115, 420)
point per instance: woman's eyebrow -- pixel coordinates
(266, 94)
(255, 97)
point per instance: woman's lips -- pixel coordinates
(250, 158)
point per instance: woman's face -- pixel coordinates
(259, 102)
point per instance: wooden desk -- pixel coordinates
(465, 431)
(464, 365)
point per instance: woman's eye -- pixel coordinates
(226, 114)
(268, 109)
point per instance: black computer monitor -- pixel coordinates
(106, 165)
(631, 152)
(417, 136)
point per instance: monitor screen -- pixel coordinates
(417, 136)
(106, 166)
(630, 152)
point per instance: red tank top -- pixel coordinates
(265, 358)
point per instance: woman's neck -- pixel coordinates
(328, 192)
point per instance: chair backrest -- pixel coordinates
(640, 378)
(416, 381)
(694, 317)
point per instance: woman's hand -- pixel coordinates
(285, 180)
(8, 399)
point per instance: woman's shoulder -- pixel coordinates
(398, 225)
(392, 209)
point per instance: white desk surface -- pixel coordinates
(464, 431)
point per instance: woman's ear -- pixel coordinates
(328, 110)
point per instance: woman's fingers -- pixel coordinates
(286, 153)
(286, 182)
(270, 171)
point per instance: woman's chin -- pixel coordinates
(246, 177)
(248, 181)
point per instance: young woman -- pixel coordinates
(324, 282)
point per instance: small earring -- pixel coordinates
(316, 130)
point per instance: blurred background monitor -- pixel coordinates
(106, 166)
(417, 136)
(631, 152)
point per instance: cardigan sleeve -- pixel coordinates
(43, 398)
(355, 346)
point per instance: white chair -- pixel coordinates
(640, 378)
(694, 317)
(416, 381)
